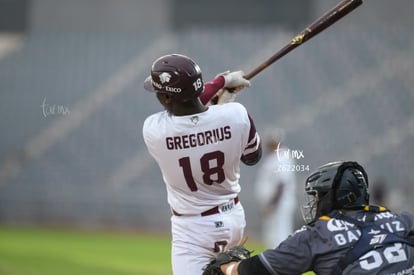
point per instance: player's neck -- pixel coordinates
(188, 108)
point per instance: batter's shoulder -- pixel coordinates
(236, 107)
(154, 123)
(236, 104)
(156, 117)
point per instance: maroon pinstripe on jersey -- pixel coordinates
(253, 151)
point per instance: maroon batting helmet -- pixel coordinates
(176, 75)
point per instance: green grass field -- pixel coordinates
(59, 252)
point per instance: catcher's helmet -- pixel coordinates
(336, 185)
(176, 75)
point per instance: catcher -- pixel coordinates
(344, 234)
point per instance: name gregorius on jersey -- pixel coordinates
(198, 139)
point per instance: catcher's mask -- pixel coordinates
(336, 185)
(176, 75)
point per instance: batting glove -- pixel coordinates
(235, 80)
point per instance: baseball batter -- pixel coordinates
(199, 149)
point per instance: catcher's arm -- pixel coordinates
(230, 268)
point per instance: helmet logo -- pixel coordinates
(165, 77)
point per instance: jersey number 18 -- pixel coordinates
(210, 163)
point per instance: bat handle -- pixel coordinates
(243, 240)
(251, 74)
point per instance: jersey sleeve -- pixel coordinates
(408, 221)
(291, 256)
(149, 133)
(211, 88)
(253, 151)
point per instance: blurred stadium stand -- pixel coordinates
(72, 103)
(188, 14)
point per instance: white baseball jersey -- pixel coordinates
(199, 155)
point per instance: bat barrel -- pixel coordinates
(330, 17)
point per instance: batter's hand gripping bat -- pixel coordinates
(323, 22)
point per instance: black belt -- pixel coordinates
(212, 211)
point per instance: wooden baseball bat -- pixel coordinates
(329, 18)
(243, 241)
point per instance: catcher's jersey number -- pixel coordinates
(207, 161)
(375, 259)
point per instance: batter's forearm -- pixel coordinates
(211, 88)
